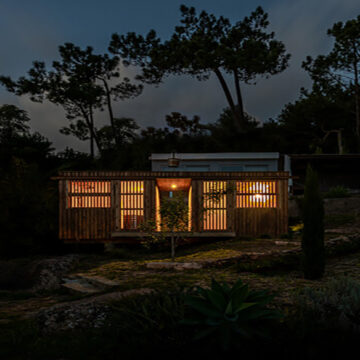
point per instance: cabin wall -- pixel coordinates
(97, 224)
(78, 224)
(264, 221)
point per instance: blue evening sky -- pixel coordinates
(33, 29)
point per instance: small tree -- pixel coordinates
(174, 219)
(174, 213)
(313, 249)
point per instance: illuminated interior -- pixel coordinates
(256, 194)
(131, 204)
(214, 198)
(167, 188)
(173, 184)
(89, 194)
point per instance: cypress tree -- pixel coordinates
(313, 250)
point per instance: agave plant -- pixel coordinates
(229, 314)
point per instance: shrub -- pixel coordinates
(15, 275)
(337, 192)
(150, 320)
(339, 220)
(229, 314)
(313, 259)
(337, 305)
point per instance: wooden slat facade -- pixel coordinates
(84, 224)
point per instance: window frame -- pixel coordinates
(216, 222)
(99, 198)
(127, 195)
(245, 197)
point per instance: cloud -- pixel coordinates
(301, 25)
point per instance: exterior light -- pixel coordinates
(173, 161)
(173, 186)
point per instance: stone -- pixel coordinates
(174, 265)
(72, 316)
(91, 312)
(51, 271)
(86, 284)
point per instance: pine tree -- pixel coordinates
(313, 249)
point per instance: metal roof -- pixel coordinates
(215, 156)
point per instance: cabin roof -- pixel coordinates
(216, 156)
(140, 175)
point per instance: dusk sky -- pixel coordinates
(33, 30)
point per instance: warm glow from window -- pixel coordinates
(131, 204)
(89, 194)
(256, 194)
(190, 208)
(214, 196)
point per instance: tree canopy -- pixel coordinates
(81, 82)
(339, 70)
(203, 45)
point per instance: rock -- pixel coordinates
(77, 286)
(99, 280)
(86, 284)
(174, 265)
(72, 316)
(92, 312)
(51, 271)
(280, 242)
(347, 230)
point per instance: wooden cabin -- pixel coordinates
(108, 206)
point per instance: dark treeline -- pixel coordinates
(324, 119)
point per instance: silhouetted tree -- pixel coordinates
(340, 68)
(122, 132)
(203, 45)
(318, 123)
(13, 122)
(80, 82)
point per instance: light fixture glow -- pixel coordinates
(173, 186)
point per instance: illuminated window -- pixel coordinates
(214, 205)
(89, 194)
(256, 194)
(132, 204)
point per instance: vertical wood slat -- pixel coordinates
(196, 217)
(215, 211)
(62, 209)
(149, 199)
(272, 221)
(230, 206)
(87, 223)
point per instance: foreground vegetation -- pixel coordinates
(152, 323)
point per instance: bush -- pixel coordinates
(336, 306)
(15, 275)
(28, 211)
(151, 320)
(337, 192)
(313, 249)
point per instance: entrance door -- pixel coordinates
(173, 190)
